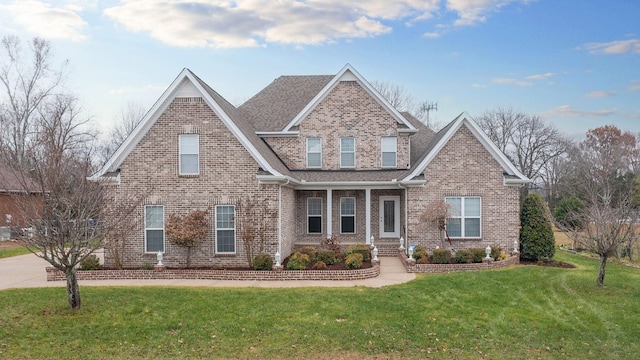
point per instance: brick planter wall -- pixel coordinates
(445, 268)
(357, 274)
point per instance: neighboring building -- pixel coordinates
(20, 197)
(322, 156)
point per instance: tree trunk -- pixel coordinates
(188, 257)
(73, 290)
(601, 271)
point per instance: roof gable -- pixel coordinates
(186, 84)
(348, 73)
(443, 136)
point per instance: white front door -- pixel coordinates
(389, 216)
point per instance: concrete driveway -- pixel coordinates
(28, 271)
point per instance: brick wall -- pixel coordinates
(347, 111)
(464, 168)
(447, 268)
(227, 175)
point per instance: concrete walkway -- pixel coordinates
(28, 271)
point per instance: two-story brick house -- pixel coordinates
(322, 156)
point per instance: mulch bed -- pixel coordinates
(548, 263)
(337, 266)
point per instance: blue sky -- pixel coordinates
(575, 63)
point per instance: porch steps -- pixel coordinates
(387, 248)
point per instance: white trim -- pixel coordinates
(307, 152)
(235, 235)
(329, 213)
(309, 198)
(348, 73)
(396, 231)
(149, 228)
(264, 134)
(465, 119)
(180, 153)
(367, 210)
(352, 215)
(348, 152)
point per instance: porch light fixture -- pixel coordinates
(488, 252)
(375, 254)
(278, 259)
(401, 243)
(410, 252)
(515, 246)
(159, 257)
(372, 239)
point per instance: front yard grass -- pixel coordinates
(524, 312)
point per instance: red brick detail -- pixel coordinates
(199, 274)
(447, 268)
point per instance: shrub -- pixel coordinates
(332, 244)
(353, 261)
(308, 250)
(262, 262)
(536, 235)
(478, 254)
(91, 262)
(420, 251)
(319, 265)
(498, 254)
(441, 256)
(361, 249)
(422, 259)
(502, 255)
(464, 257)
(298, 261)
(327, 256)
(147, 266)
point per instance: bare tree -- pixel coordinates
(189, 230)
(254, 218)
(29, 82)
(609, 213)
(400, 99)
(129, 118)
(528, 142)
(42, 128)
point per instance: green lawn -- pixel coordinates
(5, 253)
(525, 312)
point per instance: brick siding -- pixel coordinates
(447, 268)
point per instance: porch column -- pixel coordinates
(329, 214)
(367, 209)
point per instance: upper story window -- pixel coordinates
(189, 154)
(347, 152)
(314, 152)
(465, 217)
(154, 228)
(389, 151)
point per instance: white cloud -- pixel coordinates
(540, 76)
(634, 86)
(569, 111)
(511, 81)
(246, 23)
(44, 20)
(599, 94)
(614, 47)
(471, 12)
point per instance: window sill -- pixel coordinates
(224, 255)
(188, 175)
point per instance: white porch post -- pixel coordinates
(367, 208)
(329, 214)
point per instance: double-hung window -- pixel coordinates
(314, 215)
(154, 228)
(314, 152)
(189, 154)
(464, 220)
(225, 229)
(347, 215)
(389, 151)
(347, 152)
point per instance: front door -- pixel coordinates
(389, 216)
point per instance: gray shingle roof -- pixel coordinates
(13, 181)
(277, 104)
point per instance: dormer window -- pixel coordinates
(347, 152)
(389, 151)
(314, 152)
